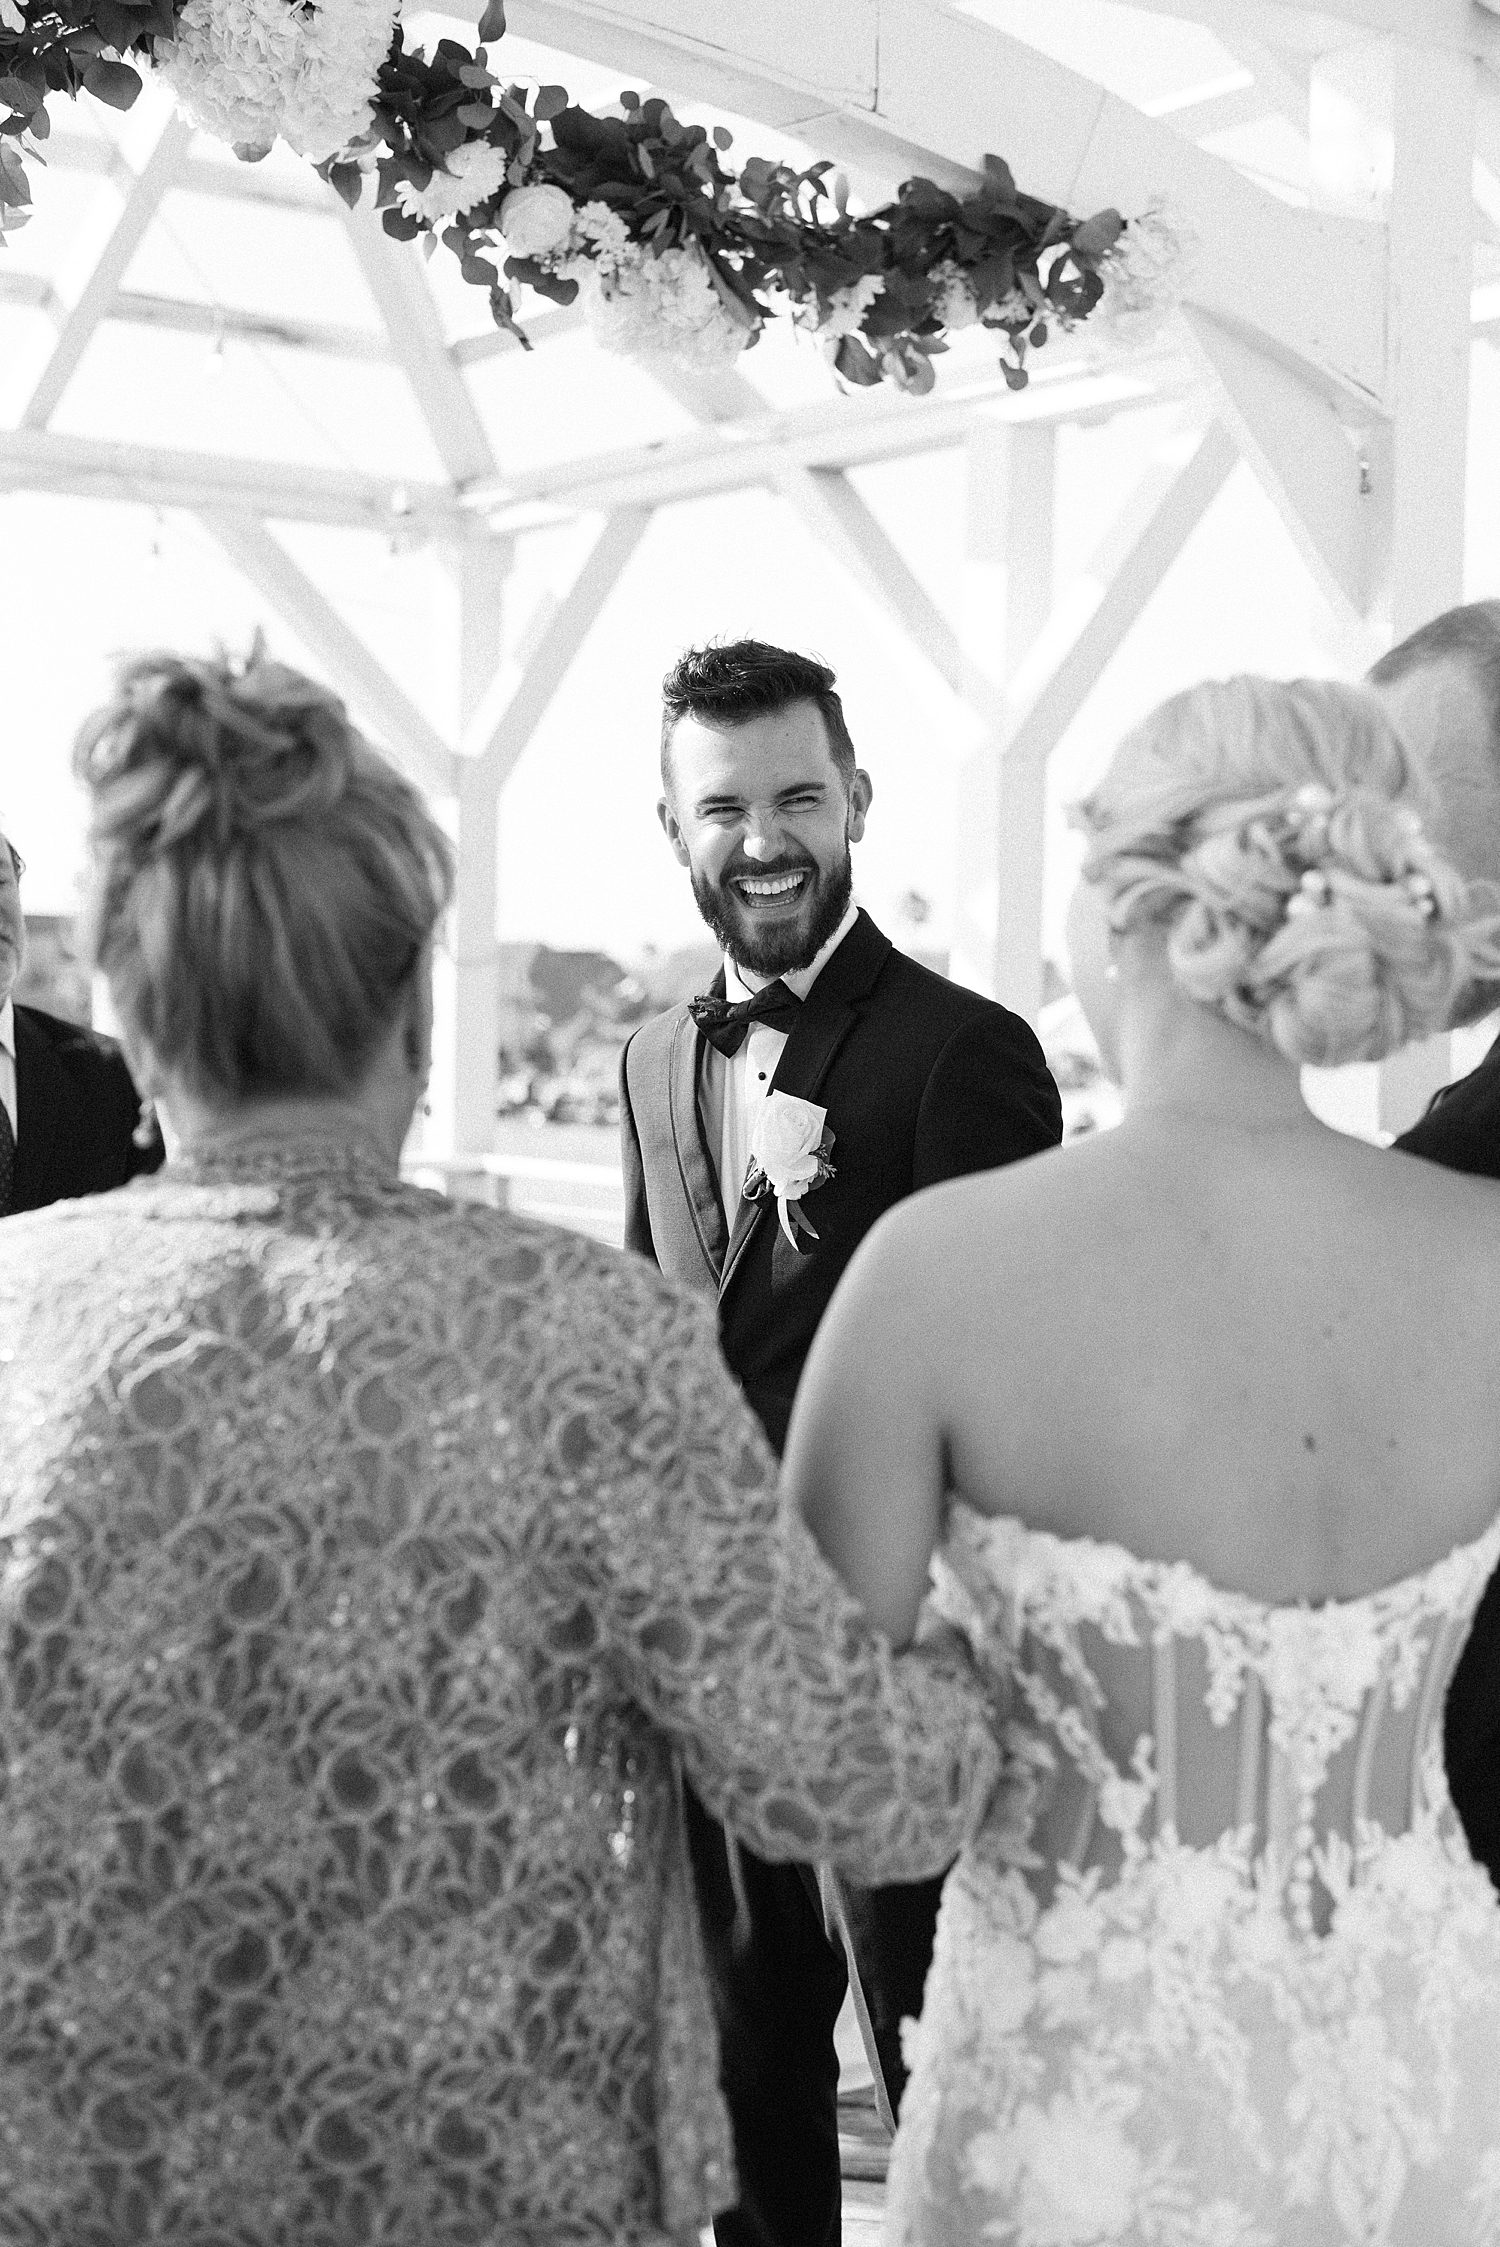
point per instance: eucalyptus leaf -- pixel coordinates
(113, 83)
(346, 180)
(1098, 234)
(492, 22)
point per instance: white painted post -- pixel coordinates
(1392, 128)
(1000, 841)
(467, 971)
(1431, 271)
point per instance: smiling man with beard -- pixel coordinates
(896, 1079)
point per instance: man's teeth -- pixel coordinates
(782, 885)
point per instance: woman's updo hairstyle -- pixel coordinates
(1275, 830)
(262, 882)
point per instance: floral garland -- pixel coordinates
(670, 250)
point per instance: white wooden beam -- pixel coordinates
(92, 301)
(714, 398)
(467, 978)
(285, 491)
(360, 678)
(829, 506)
(182, 316)
(511, 709)
(1320, 475)
(844, 433)
(1436, 96)
(1315, 24)
(1000, 838)
(1430, 338)
(397, 280)
(1051, 707)
(541, 328)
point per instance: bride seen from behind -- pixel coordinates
(1201, 1421)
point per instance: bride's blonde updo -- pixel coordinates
(262, 882)
(1275, 830)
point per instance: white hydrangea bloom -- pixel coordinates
(248, 70)
(474, 173)
(846, 308)
(1143, 278)
(956, 304)
(643, 306)
(602, 235)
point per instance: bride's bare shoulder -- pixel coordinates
(1038, 1205)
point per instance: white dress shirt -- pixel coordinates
(732, 1086)
(8, 1065)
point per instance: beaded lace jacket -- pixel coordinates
(367, 1560)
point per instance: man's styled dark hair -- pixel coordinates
(729, 682)
(1468, 635)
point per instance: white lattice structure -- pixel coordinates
(1339, 167)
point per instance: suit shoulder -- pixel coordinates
(74, 1045)
(950, 1006)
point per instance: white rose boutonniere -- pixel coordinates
(789, 1153)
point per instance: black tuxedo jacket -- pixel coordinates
(922, 1081)
(78, 1110)
(1462, 1130)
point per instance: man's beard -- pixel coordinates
(797, 942)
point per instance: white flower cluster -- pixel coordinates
(643, 304)
(248, 70)
(956, 305)
(1142, 278)
(475, 171)
(846, 308)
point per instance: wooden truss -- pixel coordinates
(1328, 349)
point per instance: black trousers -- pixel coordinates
(777, 1984)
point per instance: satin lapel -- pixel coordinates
(699, 1180)
(831, 1011)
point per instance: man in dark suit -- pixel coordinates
(906, 1079)
(1442, 687)
(69, 1113)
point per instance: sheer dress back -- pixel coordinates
(1221, 1969)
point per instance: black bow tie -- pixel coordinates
(726, 1023)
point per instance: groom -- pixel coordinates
(1442, 688)
(765, 1128)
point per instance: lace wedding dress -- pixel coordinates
(1228, 1976)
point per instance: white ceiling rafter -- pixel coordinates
(1317, 25)
(92, 302)
(512, 707)
(358, 675)
(735, 457)
(276, 490)
(397, 280)
(188, 316)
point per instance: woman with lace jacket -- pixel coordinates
(1202, 1418)
(369, 1560)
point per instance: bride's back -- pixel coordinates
(1243, 1390)
(1271, 1355)
(1212, 1404)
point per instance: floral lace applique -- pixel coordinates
(1157, 2048)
